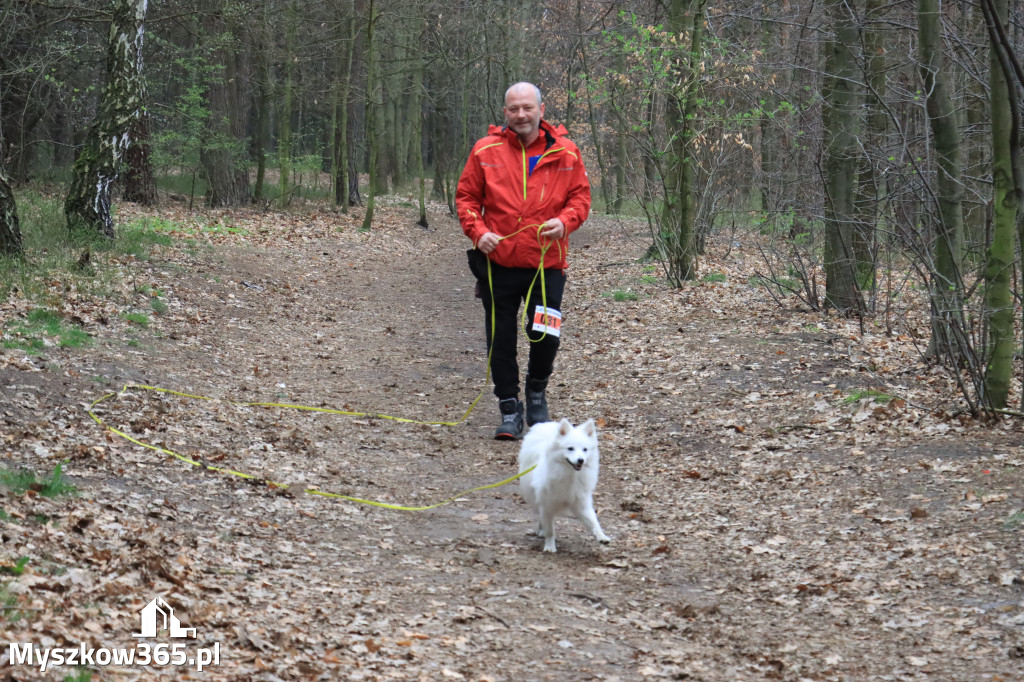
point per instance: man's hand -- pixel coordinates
(488, 242)
(553, 229)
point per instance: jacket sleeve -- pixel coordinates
(469, 199)
(577, 203)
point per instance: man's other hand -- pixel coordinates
(488, 242)
(553, 229)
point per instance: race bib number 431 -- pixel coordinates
(547, 320)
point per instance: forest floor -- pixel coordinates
(789, 497)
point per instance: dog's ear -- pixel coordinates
(590, 428)
(564, 427)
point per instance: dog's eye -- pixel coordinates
(571, 448)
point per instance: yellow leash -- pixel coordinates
(374, 415)
(529, 291)
(262, 481)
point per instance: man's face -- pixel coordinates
(523, 114)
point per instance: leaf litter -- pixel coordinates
(772, 516)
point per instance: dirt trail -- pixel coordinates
(764, 526)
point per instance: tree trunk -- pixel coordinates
(650, 167)
(384, 129)
(842, 101)
(621, 161)
(88, 201)
(441, 145)
(769, 153)
(284, 114)
(398, 113)
(679, 210)
(10, 228)
(973, 99)
(416, 137)
(1005, 203)
(139, 185)
(605, 197)
(621, 149)
(870, 182)
(228, 180)
(341, 108)
(947, 283)
(261, 136)
(570, 105)
(371, 123)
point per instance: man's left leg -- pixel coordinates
(504, 296)
(544, 329)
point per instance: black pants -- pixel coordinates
(510, 287)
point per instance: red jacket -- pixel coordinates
(491, 195)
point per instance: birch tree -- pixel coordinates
(10, 230)
(88, 200)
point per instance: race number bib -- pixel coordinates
(547, 320)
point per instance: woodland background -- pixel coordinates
(871, 149)
(794, 317)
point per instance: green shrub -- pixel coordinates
(17, 568)
(622, 295)
(138, 319)
(22, 480)
(875, 396)
(41, 324)
(81, 257)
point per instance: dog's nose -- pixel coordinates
(579, 462)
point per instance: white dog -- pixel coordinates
(567, 461)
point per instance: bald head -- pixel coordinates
(523, 89)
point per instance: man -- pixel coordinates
(523, 191)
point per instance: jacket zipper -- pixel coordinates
(525, 174)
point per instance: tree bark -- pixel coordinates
(341, 107)
(261, 136)
(398, 112)
(842, 101)
(870, 182)
(769, 152)
(416, 141)
(221, 153)
(1005, 204)
(10, 228)
(621, 162)
(371, 122)
(594, 134)
(139, 185)
(88, 202)
(342, 196)
(680, 207)
(650, 193)
(284, 114)
(947, 284)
